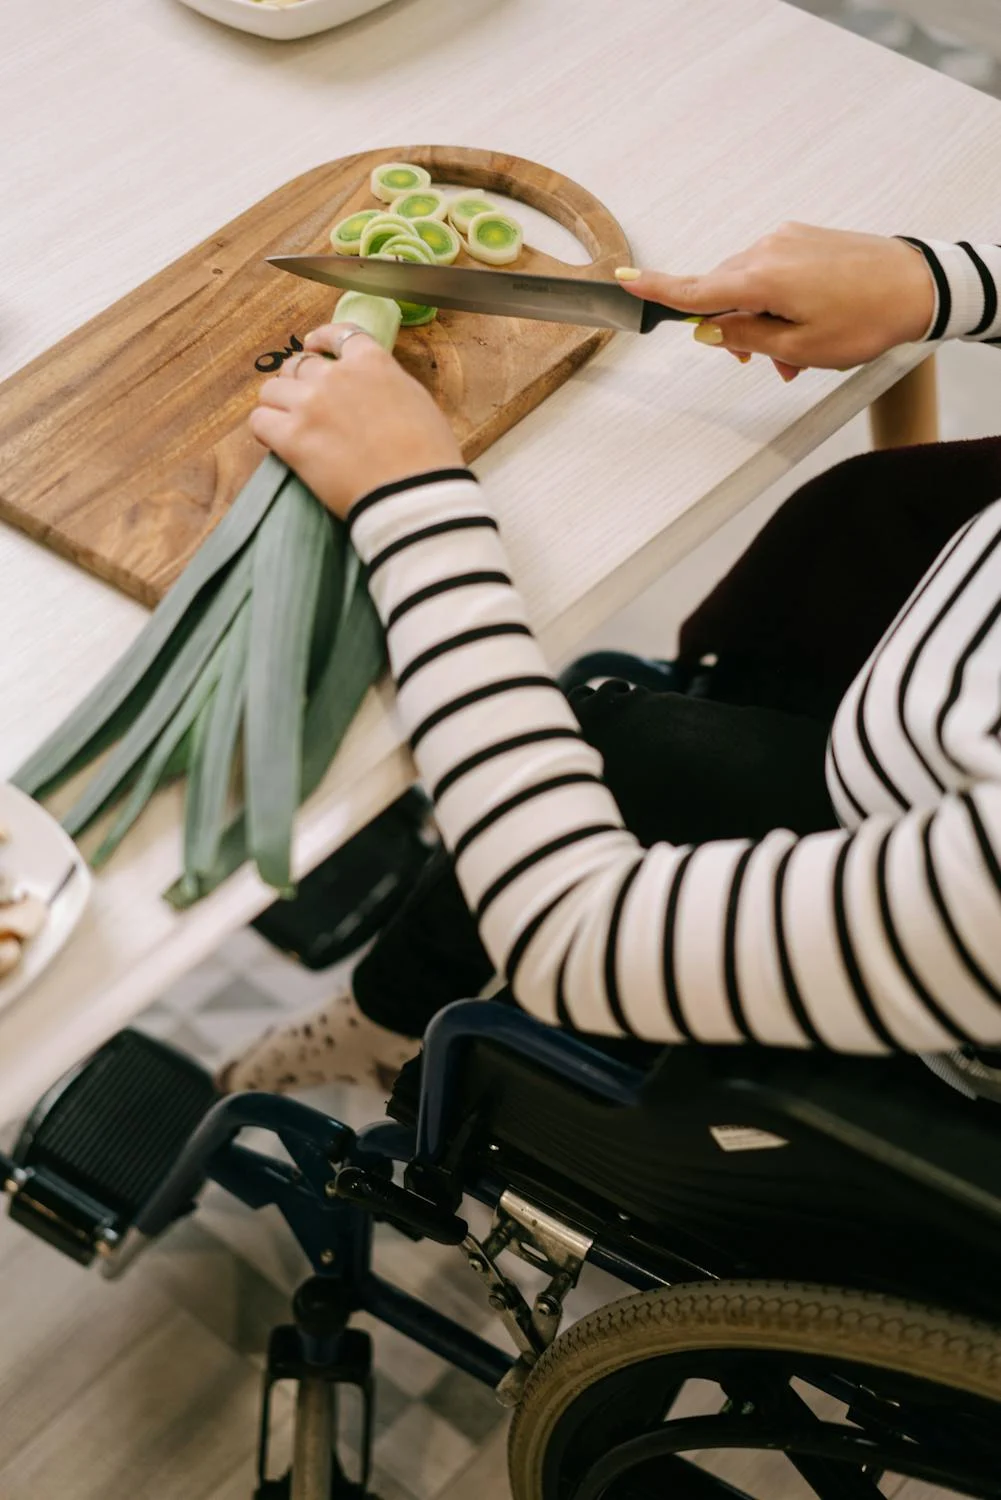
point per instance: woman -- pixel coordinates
(667, 868)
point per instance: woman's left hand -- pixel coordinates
(351, 424)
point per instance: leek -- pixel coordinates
(426, 203)
(345, 237)
(213, 750)
(379, 316)
(395, 177)
(463, 209)
(441, 239)
(166, 699)
(81, 737)
(288, 558)
(495, 238)
(382, 228)
(414, 251)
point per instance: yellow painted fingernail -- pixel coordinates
(694, 320)
(745, 359)
(708, 333)
(627, 273)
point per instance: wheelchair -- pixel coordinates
(808, 1251)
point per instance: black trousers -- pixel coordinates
(792, 623)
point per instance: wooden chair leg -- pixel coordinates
(908, 412)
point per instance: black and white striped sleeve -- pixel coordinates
(967, 289)
(885, 937)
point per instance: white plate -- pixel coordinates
(284, 22)
(38, 855)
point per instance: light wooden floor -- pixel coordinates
(148, 1389)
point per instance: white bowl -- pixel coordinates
(39, 856)
(283, 22)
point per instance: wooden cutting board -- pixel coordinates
(122, 446)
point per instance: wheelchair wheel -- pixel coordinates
(761, 1391)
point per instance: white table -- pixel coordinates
(134, 127)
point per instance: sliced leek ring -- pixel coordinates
(382, 228)
(463, 208)
(413, 315)
(345, 237)
(442, 240)
(424, 203)
(494, 238)
(404, 248)
(379, 316)
(395, 177)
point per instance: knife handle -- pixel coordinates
(655, 312)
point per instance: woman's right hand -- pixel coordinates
(805, 297)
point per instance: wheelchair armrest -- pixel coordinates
(467, 1021)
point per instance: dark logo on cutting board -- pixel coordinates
(275, 358)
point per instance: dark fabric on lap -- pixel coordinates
(823, 579)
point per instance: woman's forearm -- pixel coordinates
(840, 940)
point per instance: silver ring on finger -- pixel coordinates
(342, 339)
(300, 358)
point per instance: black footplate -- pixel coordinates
(99, 1143)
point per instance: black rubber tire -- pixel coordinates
(885, 1332)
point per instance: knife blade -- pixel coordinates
(511, 294)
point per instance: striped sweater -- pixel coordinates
(883, 934)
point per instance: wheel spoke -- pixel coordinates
(776, 1399)
(677, 1478)
(832, 1481)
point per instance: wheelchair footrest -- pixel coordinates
(99, 1143)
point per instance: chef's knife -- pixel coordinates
(511, 294)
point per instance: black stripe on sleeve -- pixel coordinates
(897, 949)
(983, 839)
(478, 695)
(571, 778)
(520, 946)
(857, 808)
(941, 282)
(848, 957)
(612, 949)
(730, 947)
(454, 643)
(910, 667)
(537, 856)
(670, 977)
(790, 985)
(563, 1015)
(963, 953)
(515, 742)
(990, 290)
(444, 586)
(926, 635)
(955, 686)
(438, 528)
(872, 759)
(416, 481)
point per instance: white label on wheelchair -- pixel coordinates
(745, 1138)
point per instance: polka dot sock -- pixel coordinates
(335, 1044)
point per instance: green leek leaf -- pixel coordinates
(122, 694)
(211, 767)
(288, 567)
(169, 695)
